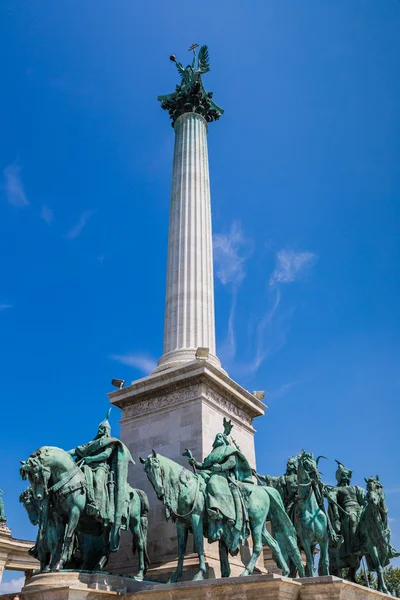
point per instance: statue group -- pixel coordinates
(81, 500)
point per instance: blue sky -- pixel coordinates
(305, 188)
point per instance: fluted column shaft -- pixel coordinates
(189, 308)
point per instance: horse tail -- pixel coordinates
(283, 529)
(144, 522)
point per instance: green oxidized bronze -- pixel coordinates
(286, 485)
(360, 517)
(191, 95)
(81, 507)
(2, 511)
(220, 501)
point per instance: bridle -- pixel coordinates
(170, 509)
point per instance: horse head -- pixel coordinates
(37, 474)
(310, 466)
(154, 472)
(30, 505)
(375, 493)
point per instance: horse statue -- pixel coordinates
(184, 496)
(60, 492)
(310, 518)
(46, 548)
(48, 542)
(374, 532)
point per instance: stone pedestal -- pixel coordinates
(170, 411)
(99, 586)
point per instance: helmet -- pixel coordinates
(343, 472)
(105, 426)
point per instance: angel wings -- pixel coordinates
(203, 66)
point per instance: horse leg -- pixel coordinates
(309, 558)
(223, 559)
(197, 528)
(277, 554)
(139, 544)
(323, 566)
(69, 537)
(256, 534)
(182, 532)
(373, 552)
(106, 549)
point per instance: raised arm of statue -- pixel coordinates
(72, 452)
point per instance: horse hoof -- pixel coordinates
(57, 567)
(173, 579)
(245, 573)
(139, 577)
(199, 576)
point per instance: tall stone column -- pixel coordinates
(183, 403)
(189, 308)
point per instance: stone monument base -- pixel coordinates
(70, 585)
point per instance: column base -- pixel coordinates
(182, 356)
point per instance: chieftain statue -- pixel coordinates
(81, 507)
(286, 485)
(221, 501)
(104, 461)
(222, 469)
(346, 503)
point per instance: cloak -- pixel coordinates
(119, 463)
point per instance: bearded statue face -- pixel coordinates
(219, 440)
(103, 431)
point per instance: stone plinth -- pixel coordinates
(74, 584)
(69, 585)
(334, 588)
(170, 411)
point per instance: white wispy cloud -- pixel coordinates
(4, 306)
(142, 362)
(77, 228)
(227, 349)
(14, 585)
(47, 214)
(13, 186)
(284, 388)
(270, 333)
(291, 266)
(231, 251)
